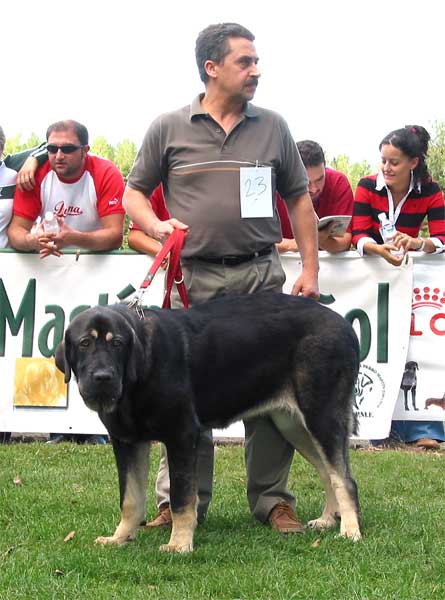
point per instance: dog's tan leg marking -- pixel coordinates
(184, 525)
(349, 526)
(134, 504)
(292, 428)
(338, 500)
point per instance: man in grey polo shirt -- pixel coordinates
(220, 161)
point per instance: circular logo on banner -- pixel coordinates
(369, 391)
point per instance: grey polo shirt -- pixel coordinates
(199, 166)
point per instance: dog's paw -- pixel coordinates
(183, 549)
(113, 540)
(322, 523)
(352, 532)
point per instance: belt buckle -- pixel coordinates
(231, 261)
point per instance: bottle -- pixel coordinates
(50, 223)
(37, 222)
(388, 231)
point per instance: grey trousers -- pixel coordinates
(267, 453)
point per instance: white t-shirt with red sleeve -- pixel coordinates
(96, 193)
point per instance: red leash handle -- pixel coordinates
(174, 273)
(171, 241)
(173, 245)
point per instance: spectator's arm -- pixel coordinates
(19, 234)
(287, 245)
(26, 163)
(141, 242)
(108, 237)
(140, 212)
(333, 244)
(25, 177)
(303, 220)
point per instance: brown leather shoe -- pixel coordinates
(163, 518)
(427, 444)
(283, 519)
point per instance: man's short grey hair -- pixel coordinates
(212, 44)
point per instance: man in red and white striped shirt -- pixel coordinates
(83, 191)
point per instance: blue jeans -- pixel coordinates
(411, 431)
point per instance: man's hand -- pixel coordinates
(52, 243)
(306, 285)
(324, 235)
(287, 245)
(25, 177)
(163, 229)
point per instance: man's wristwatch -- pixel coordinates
(422, 245)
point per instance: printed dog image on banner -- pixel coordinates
(435, 402)
(38, 382)
(175, 371)
(409, 384)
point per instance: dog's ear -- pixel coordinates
(62, 361)
(416, 366)
(136, 357)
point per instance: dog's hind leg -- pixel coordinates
(293, 429)
(183, 498)
(340, 488)
(132, 465)
(345, 490)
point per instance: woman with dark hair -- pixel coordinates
(401, 195)
(404, 191)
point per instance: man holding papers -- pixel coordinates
(332, 197)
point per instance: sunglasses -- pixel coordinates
(64, 148)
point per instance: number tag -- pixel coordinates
(256, 192)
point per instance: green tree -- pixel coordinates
(33, 141)
(101, 147)
(353, 171)
(124, 158)
(436, 153)
(13, 144)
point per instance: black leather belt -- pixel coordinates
(234, 260)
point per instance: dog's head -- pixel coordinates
(105, 353)
(411, 365)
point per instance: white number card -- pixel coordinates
(256, 192)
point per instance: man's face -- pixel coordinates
(317, 179)
(237, 75)
(67, 165)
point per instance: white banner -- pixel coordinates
(376, 298)
(422, 393)
(38, 298)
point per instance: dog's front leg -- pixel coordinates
(183, 498)
(132, 465)
(405, 396)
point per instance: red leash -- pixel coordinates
(173, 246)
(174, 272)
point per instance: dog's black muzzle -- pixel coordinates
(101, 389)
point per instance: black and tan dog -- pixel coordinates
(163, 377)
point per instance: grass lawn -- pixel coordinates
(46, 492)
